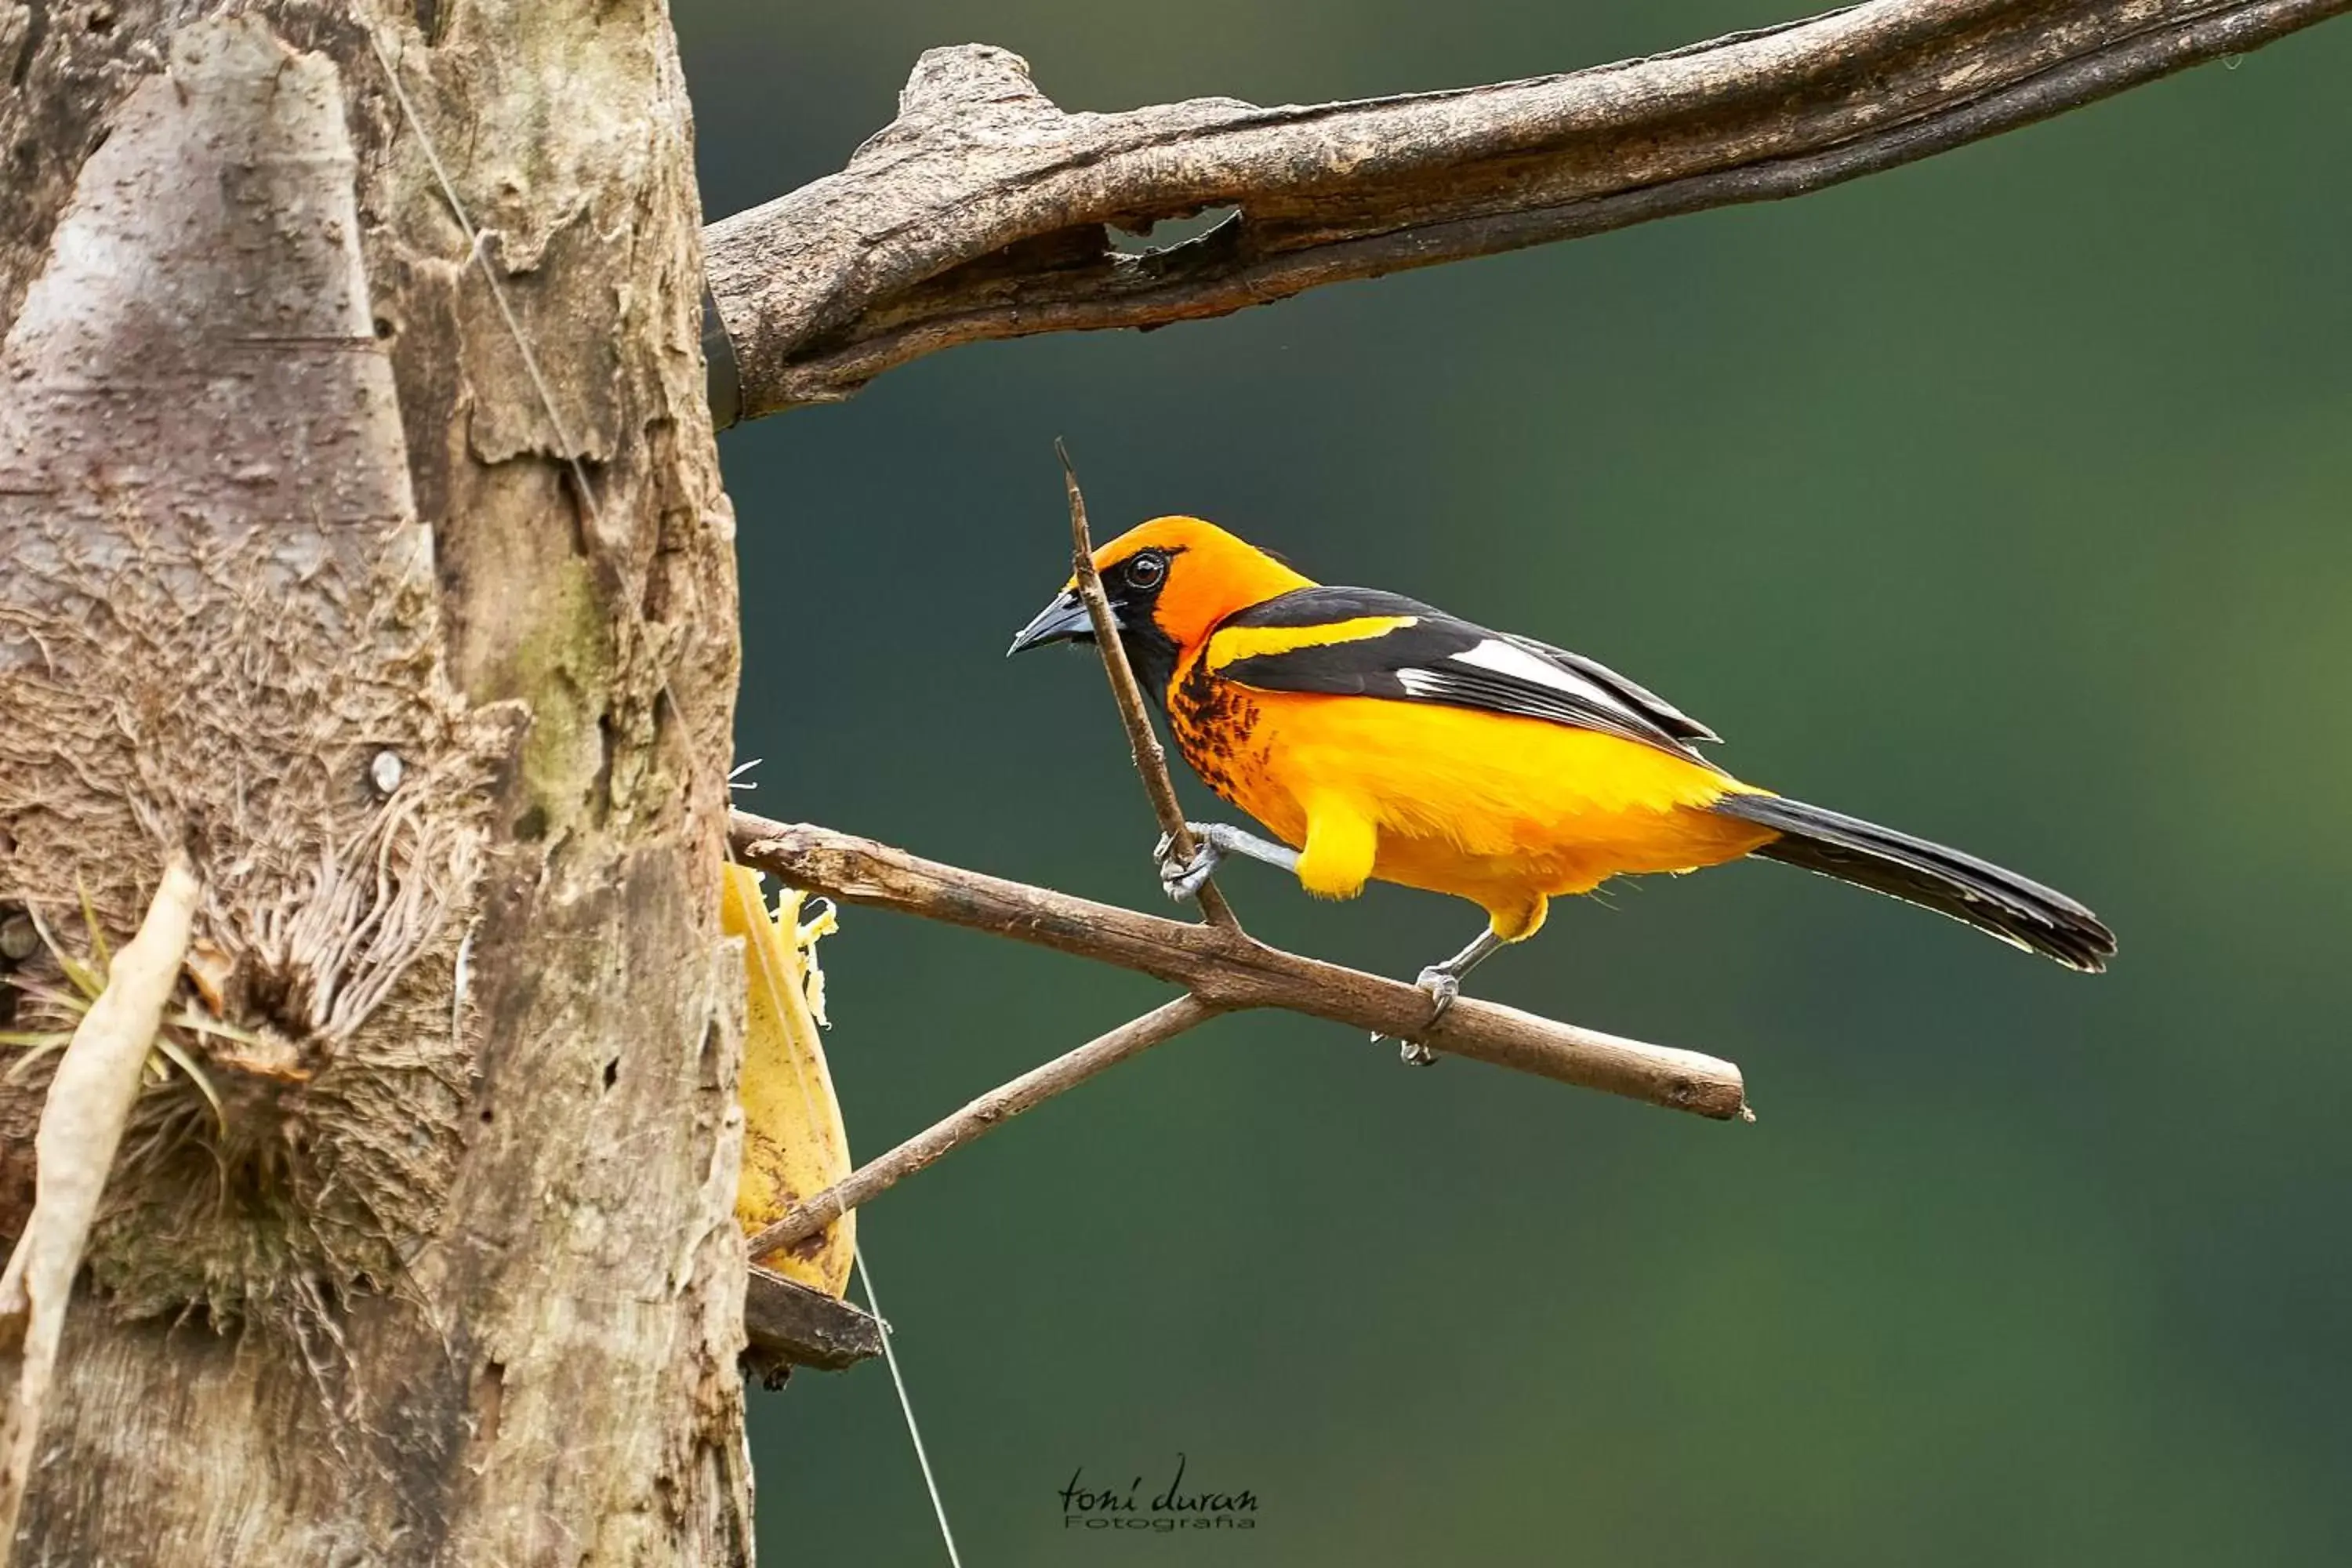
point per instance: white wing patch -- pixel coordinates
(1401, 648)
(1508, 659)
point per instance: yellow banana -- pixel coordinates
(794, 1144)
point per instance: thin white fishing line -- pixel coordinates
(913, 1432)
(476, 241)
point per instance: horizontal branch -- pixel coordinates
(1229, 971)
(983, 211)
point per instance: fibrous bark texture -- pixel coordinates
(218, 612)
(430, 673)
(984, 211)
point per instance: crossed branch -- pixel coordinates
(1222, 968)
(985, 211)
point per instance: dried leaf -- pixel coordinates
(89, 1101)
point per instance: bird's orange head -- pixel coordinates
(1170, 581)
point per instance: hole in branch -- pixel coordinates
(489, 1401)
(1162, 235)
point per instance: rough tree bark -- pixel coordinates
(302, 575)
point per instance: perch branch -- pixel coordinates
(1229, 971)
(90, 1099)
(983, 211)
(990, 1110)
(1142, 740)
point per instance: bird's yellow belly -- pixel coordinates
(1501, 810)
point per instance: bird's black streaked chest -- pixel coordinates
(1216, 724)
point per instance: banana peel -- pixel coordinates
(794, 1144)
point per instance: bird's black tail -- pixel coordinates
(1975, 892)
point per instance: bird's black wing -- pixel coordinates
(1363, 642)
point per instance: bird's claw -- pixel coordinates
(1180, 878)
(1443, 985)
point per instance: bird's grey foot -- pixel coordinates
(1443, 985)
(1180, 878)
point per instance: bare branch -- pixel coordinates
(1143, 741)
(787, 1324)
(1229, 971)
(992, 1109)
(89, 1100)
(982, 211)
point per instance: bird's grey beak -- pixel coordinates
(1063, 620)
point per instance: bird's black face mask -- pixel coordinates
(1133, 588)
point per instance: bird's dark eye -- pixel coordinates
(1146, 570)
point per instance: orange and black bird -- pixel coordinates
(1378, 737)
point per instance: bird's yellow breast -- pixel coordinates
(1499, 809)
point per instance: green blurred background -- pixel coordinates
(2002, 497)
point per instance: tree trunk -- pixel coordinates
(433, 675)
